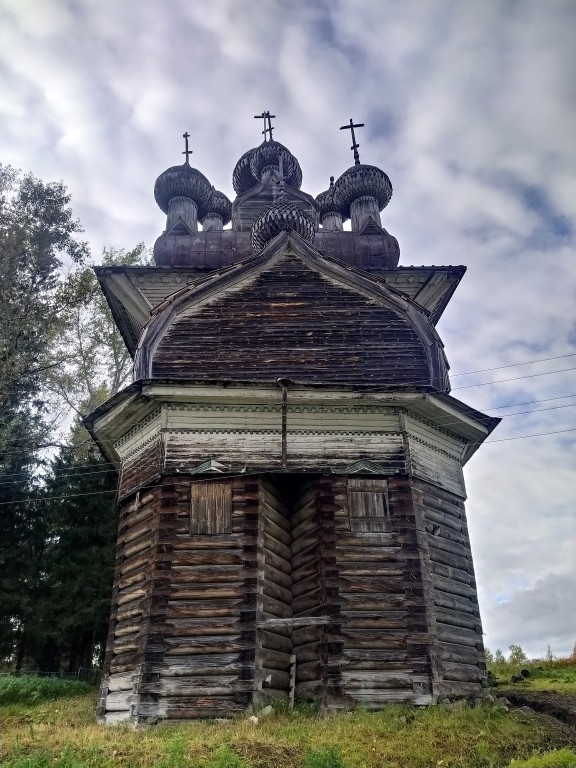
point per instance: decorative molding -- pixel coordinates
(454, 457)
(437, 428)
(137, 450)
(365, 465)
(137, 428)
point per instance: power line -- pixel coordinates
(514, 365)
(516, 378)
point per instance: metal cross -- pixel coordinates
(266, 116)
(354, 146)
(187, 151)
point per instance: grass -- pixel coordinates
(31, 689)
(557, 675)
(63, 734)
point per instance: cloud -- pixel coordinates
(471, 110)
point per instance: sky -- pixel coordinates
(469, 107)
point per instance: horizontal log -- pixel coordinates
(458, 619)
(309, 601)
(447, 558)
(181, 609)
(361, 620)
(308, 671)
(308, 652)
(199, 627)
(278, 562)
(444, 532)
(372, 554)
(121, 682)
(278, 592)
(305, 635)
(274, 641)
(372, 570)
(306, 571)
(274, 530)
(457, 603)
(457, 635)
(211, 664)
(138, 562)
(275, 608)
(204, 591)
(290, 623)
(271, 659)
(373, 602)
(305, 543)
(364, 584)
(454, 574)
(377, 680)
(206, 574)
(140, 545)
(305, 556)
(446, 545)
(202, 645)
(361, 539)
(466, 673)
(308, 526)
(122, 629)
(442, 518)
(119, 701)
(360, 638)
(301, 514)
(194, 543)
(273, 545)
(461, 654)
(134, 578)
(276, 576)
(456, 689)
(205, 557)
(454, 587)
(305, 586)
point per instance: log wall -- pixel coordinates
(454, 625)
(384, 655)
(274, 644)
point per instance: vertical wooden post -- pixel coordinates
(292, 684)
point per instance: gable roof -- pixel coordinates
(292, 312)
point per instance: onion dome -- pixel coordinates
(326, 202)
(361, 181)
(183, 181)
(268, 155)
(281, 216)
(242, 179)
(220, 206)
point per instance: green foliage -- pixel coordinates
(558, 758)
(32, 689)
(324, 757)
(517, 656)
(224, 757)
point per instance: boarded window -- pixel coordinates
(211, 508)
(368, 504)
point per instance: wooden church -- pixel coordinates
(290, 459)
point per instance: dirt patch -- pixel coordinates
(558, 709)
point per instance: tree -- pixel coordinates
(37, 236)
(517, 655)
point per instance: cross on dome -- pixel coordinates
(354, 146)
(266, 116)
(187, 151)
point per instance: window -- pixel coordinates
(368, 504)
(211, 508)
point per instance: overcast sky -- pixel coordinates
(469, 107)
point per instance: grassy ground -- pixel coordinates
(62, 734)
(558, 675)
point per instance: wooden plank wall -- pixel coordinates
(274, 645)
(459, 668)
(384, 656)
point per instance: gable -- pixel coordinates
(288, 319)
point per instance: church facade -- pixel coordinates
(291, 493)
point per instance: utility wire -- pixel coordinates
(514, 365)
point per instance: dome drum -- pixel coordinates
(362, 209)
(183, 181)
(362, 181)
